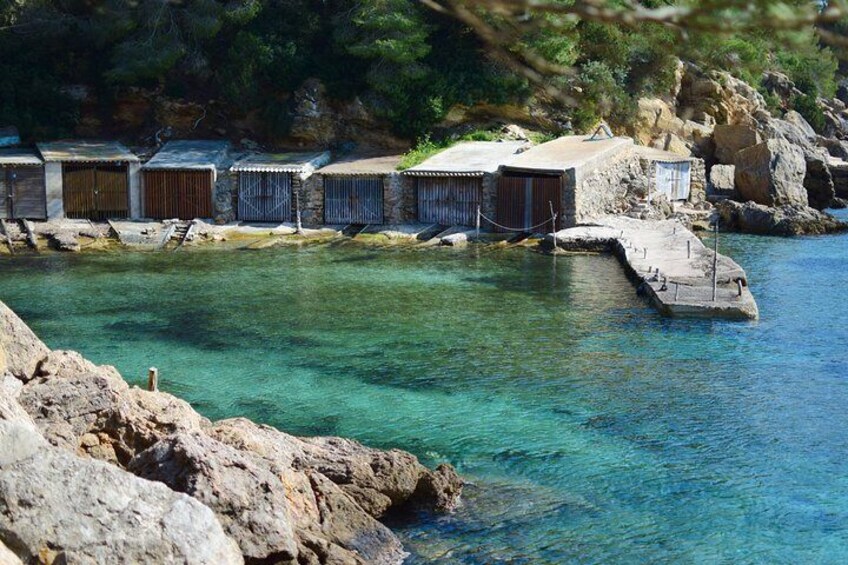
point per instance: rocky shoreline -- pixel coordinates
(94, 470)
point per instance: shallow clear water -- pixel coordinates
(592, 429)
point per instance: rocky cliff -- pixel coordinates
(94, 470)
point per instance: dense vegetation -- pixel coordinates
(409, 64)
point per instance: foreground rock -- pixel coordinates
(276, 497)
(750, 217)
(56, 507)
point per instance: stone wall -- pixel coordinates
(605, 190)
(224, 195)
(308, 192)
(399, 206)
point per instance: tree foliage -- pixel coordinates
(410, 61)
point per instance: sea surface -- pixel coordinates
(591, 429)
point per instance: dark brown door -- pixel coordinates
(177, 194)
(95, 191)
(525, 202)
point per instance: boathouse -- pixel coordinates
(90, 180)
(451, 185)
(271, 185)
(22, 191)
(361, 189)
(187, 180)
(552, 176)
(677, 178)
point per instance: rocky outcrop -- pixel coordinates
(56, 507)
(722, 181)
(730, 139)
(771, 173)
(788, 220)
(279, 498)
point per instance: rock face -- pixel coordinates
(730, 139)
(251, 491)
(56, 507)
(788, 220)
(771, 173)
(722, 181)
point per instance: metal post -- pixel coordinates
(715, 263)
(739, 286)
(688, 248)
(478, 224)
(645, 253)
(676, 291)
(153, 379)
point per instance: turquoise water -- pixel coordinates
(591, 429)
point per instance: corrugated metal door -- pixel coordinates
(673, 180)
(265, 197)
(184, 195)
(23, 193)
(95, 192)
(353, 200)
(525, 201)
(449, 201)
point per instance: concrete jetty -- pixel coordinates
(669, 264)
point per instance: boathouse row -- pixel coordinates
(515, 186)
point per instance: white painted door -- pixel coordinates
(673, 179)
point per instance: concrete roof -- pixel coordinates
(85, 152)
(19, 156)
(471, 158)
(568, 152)
(661, 155)
(282, 162)
(362, 165)
(187, 155)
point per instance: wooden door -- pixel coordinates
(23, 193)
(673, 180)
(178, 194)
(264, 197)
(95, 191)
(353, 200)
(525, 202)
(449, 201)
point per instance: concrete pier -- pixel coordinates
(669, 264)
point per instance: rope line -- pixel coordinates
(520, 230)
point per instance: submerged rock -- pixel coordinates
(750, 217)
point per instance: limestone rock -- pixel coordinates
(514, 132)
(836, 148)
(730, 139)
(799, 122)
(249, 500)
(66, 241)
(818, 181)
(312, 121)
(771, 173)
(59, 508)
(750, 217)
(673, 144)
(722, 181)
(454, 239)
(779, 84)
(20, 349)
(7, 557)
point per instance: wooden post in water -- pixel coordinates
(153, 379)
(715, 263)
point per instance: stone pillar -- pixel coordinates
(570, 200)
(489, 196)
(53, 186)
(134, 186)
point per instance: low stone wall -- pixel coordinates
(399, 205)
(224, 198)
(606, 190)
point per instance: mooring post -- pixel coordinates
(153, 379)
(478, 226)
(645, 253)
(715, 262)
(739, 286)
(676, 291)
(688, 248)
